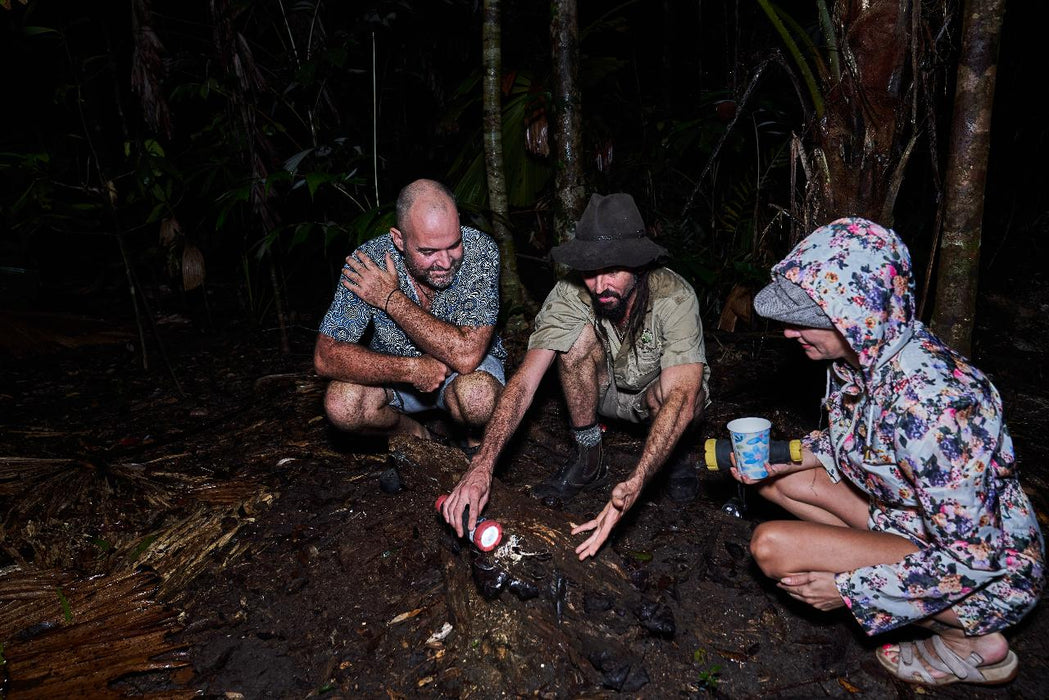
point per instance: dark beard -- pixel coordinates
(614, 312)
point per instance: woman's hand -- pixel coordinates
(808, 461)
(816, 588)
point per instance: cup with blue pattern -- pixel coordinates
(750, 445)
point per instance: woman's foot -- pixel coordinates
(951, 657)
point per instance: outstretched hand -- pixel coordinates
(623, 497)
(471, 492)
(372, 282)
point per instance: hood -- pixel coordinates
(860, 275)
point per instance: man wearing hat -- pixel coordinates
(628, 342)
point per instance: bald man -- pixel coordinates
(429, 290)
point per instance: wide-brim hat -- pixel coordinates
(610, 233)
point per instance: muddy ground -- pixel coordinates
(263, 560)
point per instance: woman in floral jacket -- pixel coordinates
(911, 510)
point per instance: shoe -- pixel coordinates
(468, 449)
(909, 667)
(584, 469)
(682, 480)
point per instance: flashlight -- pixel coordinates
(486, 536)
(716, 452)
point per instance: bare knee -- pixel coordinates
(347, 405)
(767, 546)
(471, 398)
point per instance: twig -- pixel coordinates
(375, 127)
(724, 137)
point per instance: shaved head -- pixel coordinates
(430, 196)
(428, 233)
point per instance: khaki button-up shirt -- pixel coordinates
(672, 332)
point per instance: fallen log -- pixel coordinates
(529, 617)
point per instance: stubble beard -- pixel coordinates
(440, 281)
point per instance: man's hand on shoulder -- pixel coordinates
(429, 373)
(471, 492)
(372, 282)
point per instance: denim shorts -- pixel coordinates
(406, 399)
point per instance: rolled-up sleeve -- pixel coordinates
(561, 319)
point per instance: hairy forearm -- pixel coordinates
(511, 407)
(669, 424)
(461, 348)
(349, 362)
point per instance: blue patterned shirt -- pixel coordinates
(471, 300)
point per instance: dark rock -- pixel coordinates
(559, 592)
(524, 590)
(596, 603)
(36, 630)
(489, 577)
(390, 481)
(657, 618)
(617, 670)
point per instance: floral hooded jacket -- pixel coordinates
(920, 430)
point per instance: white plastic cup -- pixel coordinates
(750, 445)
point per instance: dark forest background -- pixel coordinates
(180, 183)
(228, 155)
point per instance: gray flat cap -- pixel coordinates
(787, 302)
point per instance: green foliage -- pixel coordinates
(526, 175)
(791, 33)
(67, 610)
(710, 675)
(316, 181)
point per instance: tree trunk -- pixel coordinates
(858, 139)
(568, 179)
(954, 307)
(514, 296)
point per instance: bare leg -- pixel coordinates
(785, 547)
(583, 372)
(471, 399)
(836, 539)
(811, 495)
(366, 410)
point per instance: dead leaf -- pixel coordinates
(404, 616)
(848, 686)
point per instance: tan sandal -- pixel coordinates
(909, 666)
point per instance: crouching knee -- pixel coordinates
(344, 404)
(768, 546)
(471, 398)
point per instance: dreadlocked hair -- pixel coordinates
(640, 308)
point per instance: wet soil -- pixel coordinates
(286, 571)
